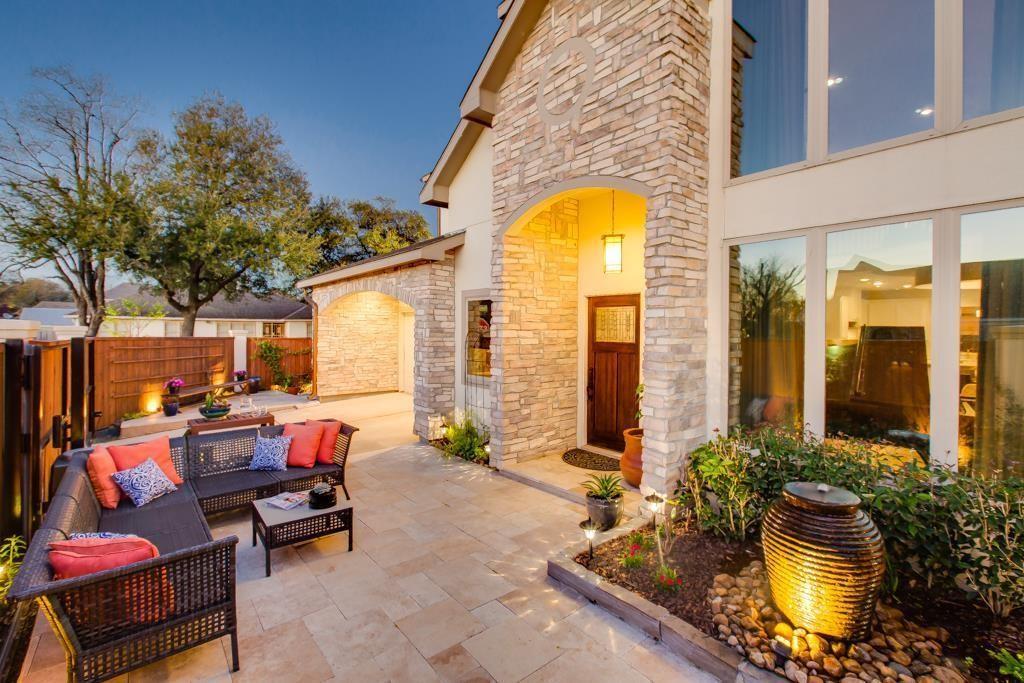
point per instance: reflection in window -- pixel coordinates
(769, 84)
(992, 342)
(878, 332)
(766, 320)
(993, 56)
(881, 70)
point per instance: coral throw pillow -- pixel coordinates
(325, 454)
(305, 443)
(90, 555)
(101, 468)
(127, 457)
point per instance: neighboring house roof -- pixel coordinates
(479, 104)
(433, 249)
(246, 307)
(50, 315)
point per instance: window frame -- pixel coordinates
(945, 357)
(948, 73)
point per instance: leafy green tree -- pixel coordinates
(227, 212)
(135, 316)
(30, 291)
(69, 165)
(358, 229)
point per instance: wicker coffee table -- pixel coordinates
(278, 528)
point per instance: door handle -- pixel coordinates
(590, 384)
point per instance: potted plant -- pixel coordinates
(214, 406)
(170, 405)
(16, 619)
(241, 375)
(173, 386)
(605, 499)
(632, 462)
(291, 385)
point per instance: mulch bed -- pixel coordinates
(698, 558)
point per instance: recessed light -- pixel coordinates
(877, 283)
(834, 80)
(906, 286)
(865, 279)
(924, 111)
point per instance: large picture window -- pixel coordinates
(767, 302)
(769, 72)
(881, 70)
(993, 56)
(991, 405)
(878, 332)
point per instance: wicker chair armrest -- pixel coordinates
(178, 559)
(347, 429)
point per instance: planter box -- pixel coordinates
(689, 642)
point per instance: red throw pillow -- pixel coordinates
(100, 466)
(305, 442)
(325, 454)
(90, 555)
(127, 457)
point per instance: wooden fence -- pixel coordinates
(297, 361)
(129, 373)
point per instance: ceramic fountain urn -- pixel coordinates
(825, 560)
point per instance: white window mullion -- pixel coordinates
(814, 335)
(817, 77)
(945, 362)
(949, 48)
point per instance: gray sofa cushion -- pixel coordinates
(294, 473)
(173, 521)
(232, 482)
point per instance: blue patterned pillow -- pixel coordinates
(271, 455)
(144, 483)
(98, 534)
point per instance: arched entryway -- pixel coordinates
(569, 307)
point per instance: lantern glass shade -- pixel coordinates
(612, 253)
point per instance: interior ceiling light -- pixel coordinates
(834, 81)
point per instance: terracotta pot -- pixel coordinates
(293, 390)
(605, 513)
(632, 462)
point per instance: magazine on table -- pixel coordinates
(288, 501)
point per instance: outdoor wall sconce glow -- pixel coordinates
(825, 560)
(589, 528)
(612, 253)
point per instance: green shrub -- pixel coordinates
(1010, 664)
(465, 440)
(11, 551)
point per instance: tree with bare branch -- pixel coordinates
(69, 162)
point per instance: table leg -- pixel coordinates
(266, 551)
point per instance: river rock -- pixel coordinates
(832, 666)
(783, 630)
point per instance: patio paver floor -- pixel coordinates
(447, 582)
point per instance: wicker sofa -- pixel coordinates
(120, 619)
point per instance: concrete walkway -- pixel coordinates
(447, 582)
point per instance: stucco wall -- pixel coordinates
(642, 119)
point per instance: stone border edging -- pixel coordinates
(683, 639)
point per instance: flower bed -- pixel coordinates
(955, 549)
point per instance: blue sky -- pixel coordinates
(365, 94)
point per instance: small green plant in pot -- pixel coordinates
(605, 499)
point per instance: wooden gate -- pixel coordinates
(36, 406)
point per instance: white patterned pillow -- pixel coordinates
(79, 535)
(144, 483)
(271, 455)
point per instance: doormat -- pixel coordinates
(577, 457)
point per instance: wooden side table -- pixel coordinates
(200, 425)
(278, 528)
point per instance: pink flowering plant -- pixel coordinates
(174, 383)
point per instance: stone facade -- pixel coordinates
(643, 118)
(429, 288)
(535, 363)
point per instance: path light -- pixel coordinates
(825, 560)
(655, 504)
(589, 527)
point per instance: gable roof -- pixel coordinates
(479, 103)
(246, 307)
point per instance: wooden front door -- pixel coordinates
(613, 368)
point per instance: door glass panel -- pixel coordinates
(769, 84)
(615, 324)
(992, 342)
(881, 81)
(993, 56)
(766, 340)
(878, 336)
